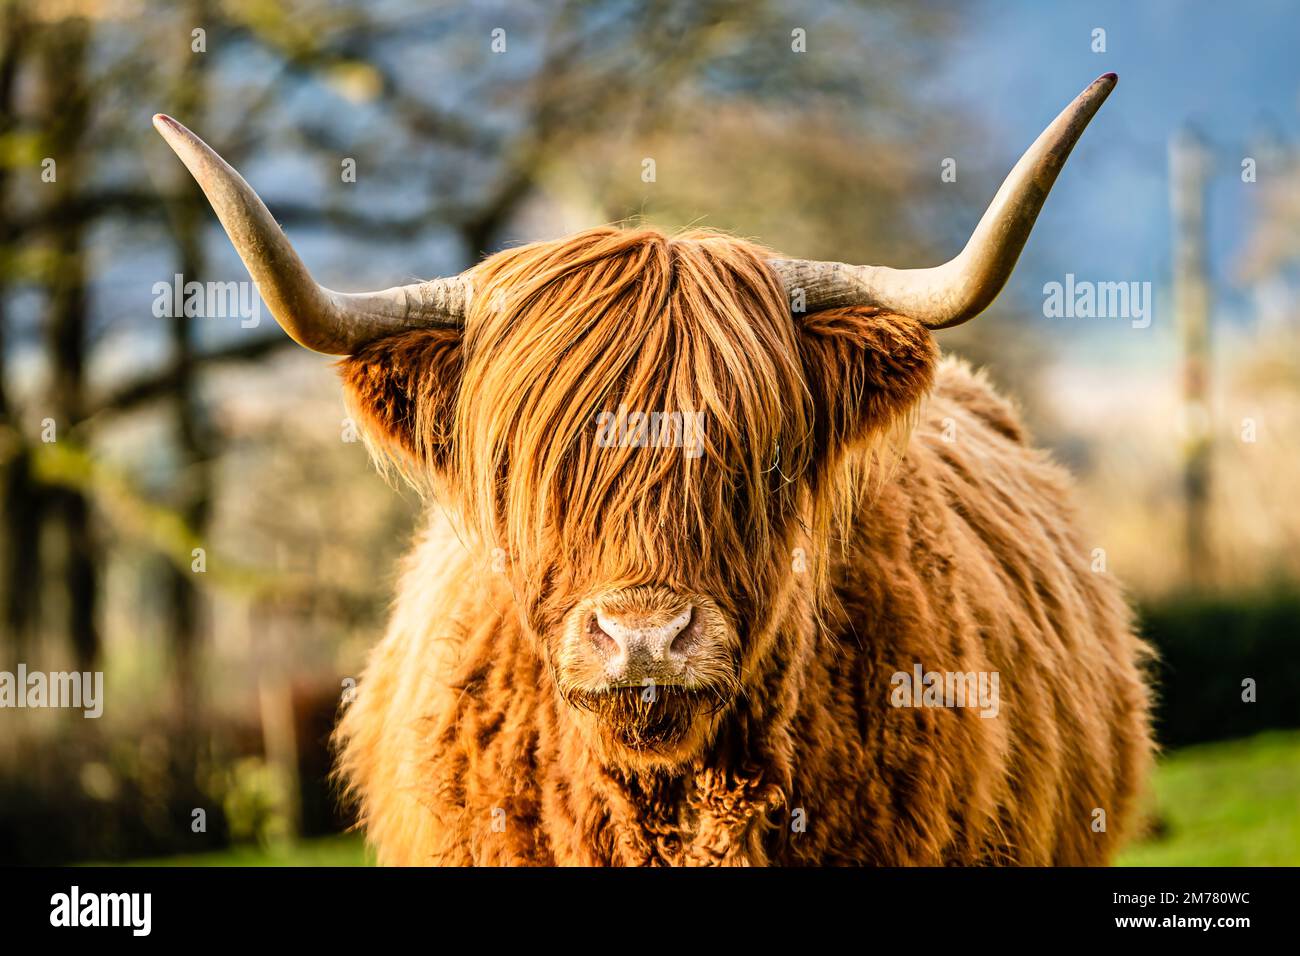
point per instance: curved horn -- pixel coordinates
(318, 318)
(961, 288)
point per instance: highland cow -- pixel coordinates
(612, 652)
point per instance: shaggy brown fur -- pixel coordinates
(831, 543)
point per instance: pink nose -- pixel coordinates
(640, 646)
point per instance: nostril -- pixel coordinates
(684, 638)
(599, 637)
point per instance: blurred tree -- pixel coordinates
(63, 50)
(19, 497)
(195, 442)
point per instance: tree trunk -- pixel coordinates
(63, 54)
(193, 436)
(19, 496)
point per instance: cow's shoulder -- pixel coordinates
(960, 387)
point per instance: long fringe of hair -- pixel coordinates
(614, 318)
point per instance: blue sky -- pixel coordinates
(1230, 69)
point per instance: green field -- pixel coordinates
(341, 850)
(1226, 804)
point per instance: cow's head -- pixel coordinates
(643, 434)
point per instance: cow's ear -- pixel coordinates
(866, 369)
(402, 391)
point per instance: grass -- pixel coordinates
(1226, 804)
(344, 849)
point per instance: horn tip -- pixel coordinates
(1110, 79)
(183, 142)
(170, 130)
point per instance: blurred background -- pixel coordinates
(186, 508)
